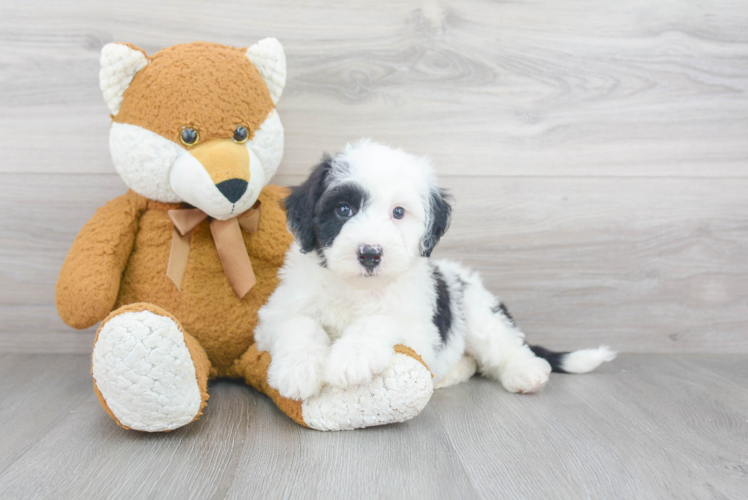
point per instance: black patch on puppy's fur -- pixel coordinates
(327, 223)
(441, 212)
(322, 259)
(310, 209)
(501, 309)
(302, 202)
(555, 359)
(442, 311)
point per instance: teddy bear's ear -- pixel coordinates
(268, 57)
(119, 63)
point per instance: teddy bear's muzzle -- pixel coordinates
(227, 163)
(215, 177)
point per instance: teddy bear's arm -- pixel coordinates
(272, 240)
(89, 280)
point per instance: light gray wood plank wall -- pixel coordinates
(597, 151)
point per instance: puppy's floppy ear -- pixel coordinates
(440, 213)
(302, 203)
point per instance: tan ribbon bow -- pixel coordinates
(227, 236)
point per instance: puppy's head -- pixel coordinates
(369, 212)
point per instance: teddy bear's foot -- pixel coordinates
(397, 394)
(148, 373)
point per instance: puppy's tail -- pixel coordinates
(582, 361)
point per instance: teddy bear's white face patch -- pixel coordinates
(267, 144)
(144, 159)
(163, 170)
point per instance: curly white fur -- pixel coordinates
(334, 320)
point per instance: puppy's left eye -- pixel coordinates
(344, 210)
(398, 213)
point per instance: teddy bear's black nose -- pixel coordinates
(232, 189)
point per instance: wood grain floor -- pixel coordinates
(644, 426)
(597, 150)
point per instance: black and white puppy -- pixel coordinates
(358, 281)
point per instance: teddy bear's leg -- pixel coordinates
(397, 394)
(149, 374)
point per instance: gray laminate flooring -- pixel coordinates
(644, 426)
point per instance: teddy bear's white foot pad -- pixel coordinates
(397, 394)
(144, 371)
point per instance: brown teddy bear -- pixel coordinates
(176, 268)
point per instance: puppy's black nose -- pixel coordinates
(369, 256)
(232, 189)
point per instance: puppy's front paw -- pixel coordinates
(297, 375)
(525, 375)
(356, 363)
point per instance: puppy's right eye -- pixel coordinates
(344, 210)
(189, 136)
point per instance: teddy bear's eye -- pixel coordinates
(189, 136)
(241, 134)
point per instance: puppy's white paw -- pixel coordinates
(526, 375)
(353, 363)
(297, 375)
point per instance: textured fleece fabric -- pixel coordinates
(158, 100)
(269, 58)
(119, 62)
(397, 394)
(160, 382)
(120, 258)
